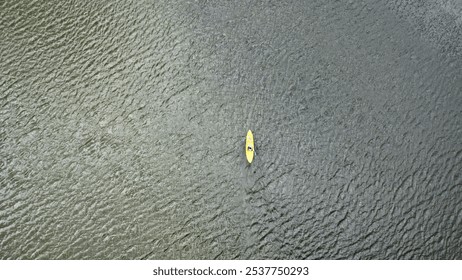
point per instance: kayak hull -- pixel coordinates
(249, 153)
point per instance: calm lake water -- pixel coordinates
(122, 128)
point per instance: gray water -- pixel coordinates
(123, 124)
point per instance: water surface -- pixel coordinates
(123, 124)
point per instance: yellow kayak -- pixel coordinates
(249, 146)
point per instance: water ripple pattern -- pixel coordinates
(122, 128)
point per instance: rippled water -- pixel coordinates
(123, 124)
